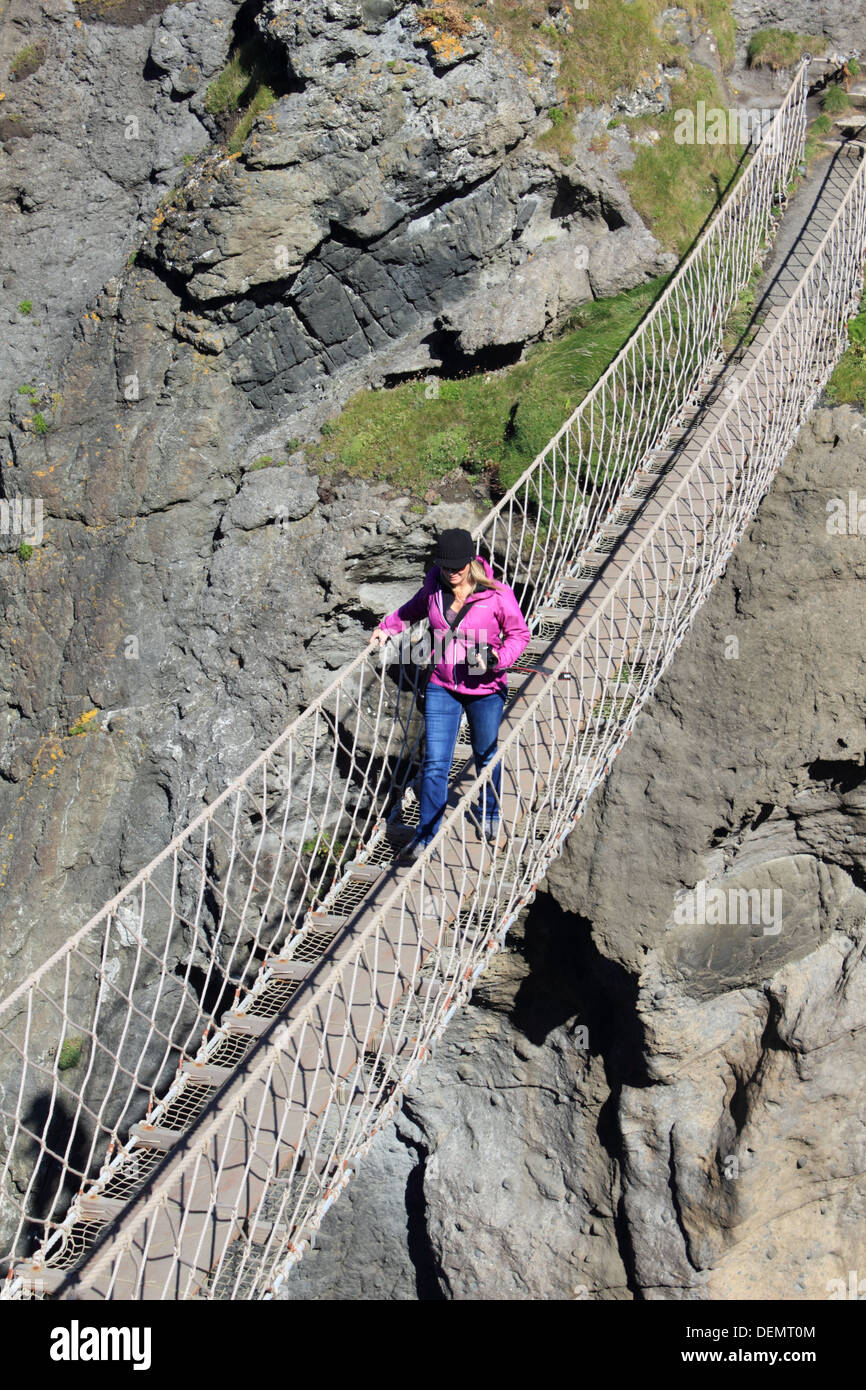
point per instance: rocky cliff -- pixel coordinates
(194, 312)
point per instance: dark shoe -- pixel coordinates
(492, 827)
(409, 853)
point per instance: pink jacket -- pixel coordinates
(493, 618)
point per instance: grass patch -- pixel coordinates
(40, 424)
(24, 551)
(248, 84)
(263, 98)
(483, 424)
(847, 385)
(835, 100)
(782, 48)
(738, 324)
(70, 1053)
(235, 85)
(606, 47)
(27, 61)
(26, 306)
(675, 186)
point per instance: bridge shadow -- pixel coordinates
(59, 1160)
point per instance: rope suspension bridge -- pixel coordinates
(193, 1078)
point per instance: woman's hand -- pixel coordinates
(378, 637)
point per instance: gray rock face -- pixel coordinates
(270, 495)
(657, 1091)
(89, 143)
(747, 775)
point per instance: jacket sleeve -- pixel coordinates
(515, 633)
(412, 611)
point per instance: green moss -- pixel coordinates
(782, 48)
(323, 848)
(835, 100)
(26, 306)
(24, 551)
(85, 724)
(27, 61)
(70, 1053)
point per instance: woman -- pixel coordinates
(478, 632)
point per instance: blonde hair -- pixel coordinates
(480, 578)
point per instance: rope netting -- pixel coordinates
(191, 1080)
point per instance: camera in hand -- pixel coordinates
(482, 659)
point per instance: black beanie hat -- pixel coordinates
(454, 549)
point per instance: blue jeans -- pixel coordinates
(442, 713)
